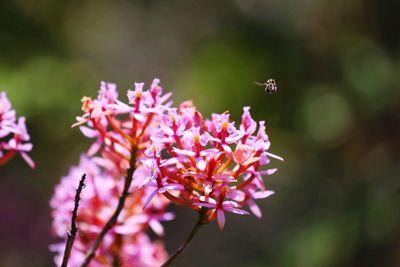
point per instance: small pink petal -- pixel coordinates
(252, 128)
(210, 151)
(122, 104)
(267, 145)
(106, 163)
(236, 195)
(165, 97)
(201, 164)
(166, 129)
(137, 219)
(170, 161)
(127, 229)
(162, 190)
(223, 176)
(184, 152)
(94, 148)
(149, 198)
(79, 122)
(237, 211)
(168, 216)
(156, 227)
(227, 148)
(207, 205)
(263, 194)
(208, 199)
(274, 156)
(254, 208)
(88, 132)
(180, 130)
(97, 112)
(221, 218)
(25, 147)
(28, 160)
(167, 140)
(233, 139)
(173, 187)
(139, 117)
(268, 172)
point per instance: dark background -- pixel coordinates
(335, 118)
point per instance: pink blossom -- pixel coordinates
(117, 129)
(220, 207)
(97, 203)
(14, 137)
(218, 166)
(210, 166)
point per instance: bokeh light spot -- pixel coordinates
(327, 116)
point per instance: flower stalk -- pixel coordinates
(74, 228)
(121, 203)
(200, 221)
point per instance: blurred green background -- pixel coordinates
(335, 118)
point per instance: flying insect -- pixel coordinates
(270, 85)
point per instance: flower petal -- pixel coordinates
(149, 198)
(221, 218)
(184, 152)
(28, 160)
(235, 210)
(157, 227)
(274, 156)
(263, 194)
(254, 208)
(207, 205)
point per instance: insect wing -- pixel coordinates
(261, 83)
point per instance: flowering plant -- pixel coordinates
(145, 155)
(14, 137)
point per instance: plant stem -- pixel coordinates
(74, 228)
(113, 220)
(195, 228)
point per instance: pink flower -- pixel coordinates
(210, 166)
(14, 137)
(117, 129)
(217, 166)
(97, 203)
(220, 207)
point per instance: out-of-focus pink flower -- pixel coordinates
(127, 242)
(14, 137)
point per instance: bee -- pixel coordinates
(270, 85)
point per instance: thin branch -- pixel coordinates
(112, 221)
(196, 227)
(74, 228)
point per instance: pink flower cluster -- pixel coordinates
(210, 163)
(127, 243)
(14, 137)
(210, 166)
(121, 133)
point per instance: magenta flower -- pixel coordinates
(127, 242)
(145, 155)
(117, 129)
(14, 137)
(217, 166)
(220, 207)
